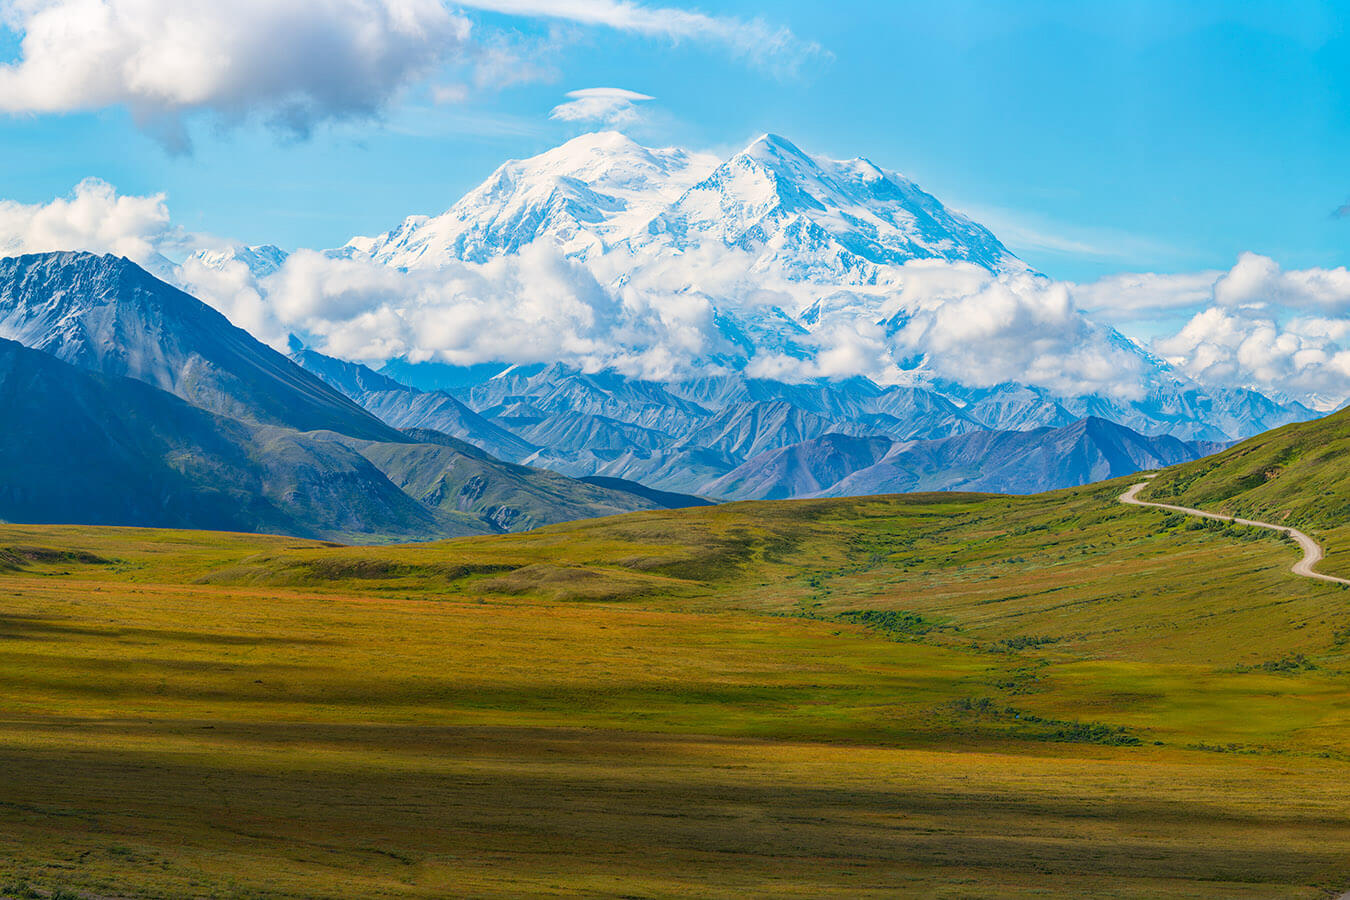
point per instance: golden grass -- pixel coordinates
(669, 704)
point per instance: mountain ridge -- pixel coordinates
(753, 439)
(832, 242)
(198, 413)
(108, 315)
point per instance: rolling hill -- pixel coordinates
(1294, 475)
(1052, 696)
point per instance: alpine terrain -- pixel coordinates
(785, 250)
(134, 403)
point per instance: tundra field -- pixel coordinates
(938, 695)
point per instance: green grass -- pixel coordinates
(1294, 475)
(930, 696)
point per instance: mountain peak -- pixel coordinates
(813, 219)
(809, 218)
(774, 142)
(581, 196)
(775, 151)
(260, 259)
(600, 140)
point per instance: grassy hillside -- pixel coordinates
(931, 696)
(1295, 475)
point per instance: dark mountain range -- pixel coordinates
(138, 404)
(92, 449)
(200, 425)
(405, 407)
(735, 438)
(107, 315)
(1009, 462)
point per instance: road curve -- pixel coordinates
(1312, 553)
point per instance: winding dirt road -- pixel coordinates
(1312, 553)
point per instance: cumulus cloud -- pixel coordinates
(298, 63)
(93, 217)
(1259, 281)
(610, 107)
(1304, 358)
(295, 62)
(1026, 329)
(1256, 325)
(531, 307)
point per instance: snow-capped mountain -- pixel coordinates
(812, 219)
(808, 217)
(585, 196)
(789, 254)
(261, 260)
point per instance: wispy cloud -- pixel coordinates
(1025, 231)
(769, 46)
(449, 119)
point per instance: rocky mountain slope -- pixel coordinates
(107, 315)
(175, 417)
(762, 440)
(1008, 462)
(85, 448)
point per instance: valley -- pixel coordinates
(927, 695)
(642, 450)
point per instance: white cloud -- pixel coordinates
(1304, 359)
(1026, 329)
(94, 217)
(1256, 325)
(1137, 295)
(1259, 281)
(532, 307)
(610, 107)
(298, 63)
(773, 47)
(295, 62)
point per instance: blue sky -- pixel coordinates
(1094, 138)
